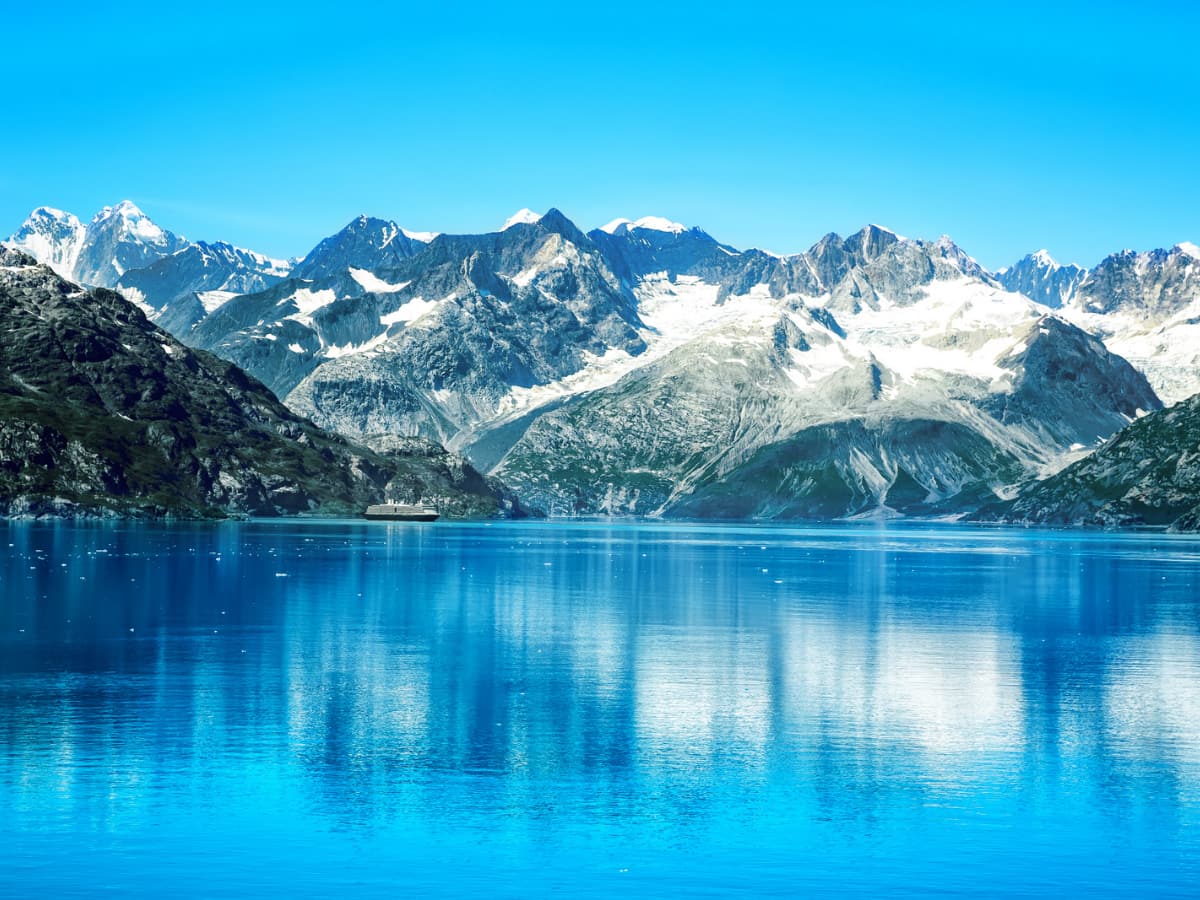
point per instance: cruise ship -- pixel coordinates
(402, 512)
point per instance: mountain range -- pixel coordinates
(644, 367)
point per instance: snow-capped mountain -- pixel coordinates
(118, 239)
(52, 237)
(875, 267)
(646, 367)
(1040, 278)
(656, 247)
(640, 368)
(899, 377)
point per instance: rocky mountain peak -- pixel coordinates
(365, 242)
(1041, 278)
(121, 238)
(871, 241)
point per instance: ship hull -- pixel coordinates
(402, 517)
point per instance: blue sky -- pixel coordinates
(1009, 126)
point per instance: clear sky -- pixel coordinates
(1010, 126)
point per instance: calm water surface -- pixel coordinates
(571, 710)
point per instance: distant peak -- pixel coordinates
(650, 223)
(362, 220)
(658, 223)
(49, 212)
(126, 208)
(522, 217)
(423, 236)
(1188, 248)
(1043, 259)
(879, 233)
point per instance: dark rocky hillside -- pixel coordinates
(1148, 474)
(103, 413)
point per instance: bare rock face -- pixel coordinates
(103, 413)
(1040, 278)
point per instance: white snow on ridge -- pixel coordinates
(270, 265)
(887, 230)
(423, 236)
(51, 212)
(651, 223)
(658, 223)
(521, 217)
(1188, 248)
(963, 328)
(334, 351)
(611, 227)
(371, 282)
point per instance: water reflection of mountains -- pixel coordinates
(620, 670)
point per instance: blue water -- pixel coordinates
(330, 709)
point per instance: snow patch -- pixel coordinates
(214, 300)
(138, 299)
(334, 351)
(410, 311)
(307, 302)
(370, 282)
